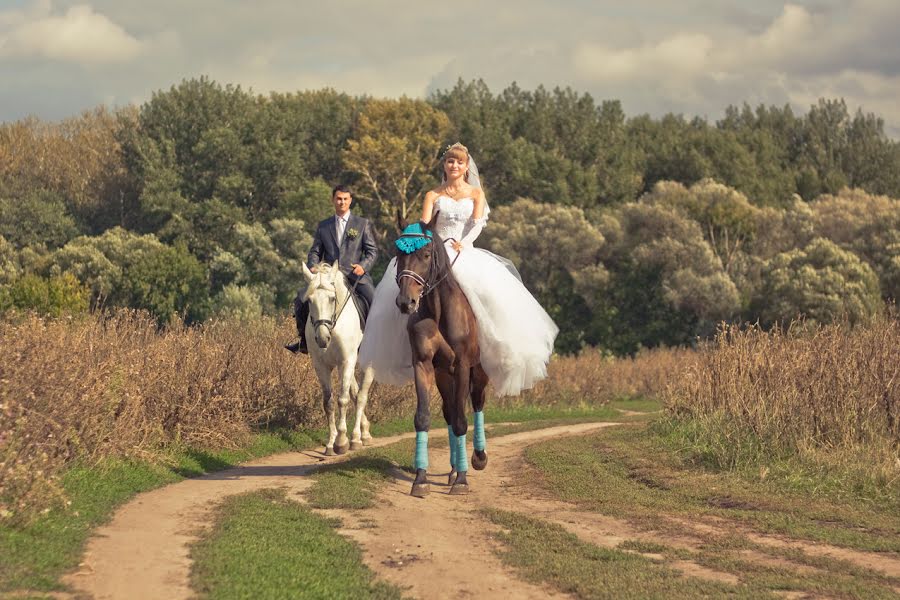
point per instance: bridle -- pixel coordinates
(427, 286)
(332, 322)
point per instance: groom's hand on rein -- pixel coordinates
(456, 246)
(358, 270)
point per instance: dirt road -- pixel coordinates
(420, 544)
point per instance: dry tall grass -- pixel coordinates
(81, 390)
(593, 378)
(834, 388)
(85, 389)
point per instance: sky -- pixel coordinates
(693, 57)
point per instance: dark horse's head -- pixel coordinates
(421, 261)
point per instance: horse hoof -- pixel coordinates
(356, 445)
(479, 460)
(420, 490)
(341, 449)
(367, 439)
(451, 478)
(329, 452)
(459, 489)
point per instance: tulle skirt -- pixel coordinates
(514, 332)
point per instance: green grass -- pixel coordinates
(545, 553)
(263, 545)
(636, 472)
(353, 484)
(35, 555)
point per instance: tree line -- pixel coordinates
(633, 232)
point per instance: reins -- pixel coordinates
(427, 287)
(332, 322)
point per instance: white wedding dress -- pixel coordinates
(515, 333)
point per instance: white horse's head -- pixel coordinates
(325, 290)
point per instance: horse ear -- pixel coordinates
(307, 274)
(401, 222)
(335, 270)
(433, 222)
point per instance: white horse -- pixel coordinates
(334, 323)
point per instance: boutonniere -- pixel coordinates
(352, 234)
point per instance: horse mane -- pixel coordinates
(324, 269)
(440, 260)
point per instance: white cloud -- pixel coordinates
(79, 36)
(694, 57)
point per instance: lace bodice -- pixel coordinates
(455, 219)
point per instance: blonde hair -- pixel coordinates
(459, 152)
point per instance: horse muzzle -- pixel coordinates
(407, 305)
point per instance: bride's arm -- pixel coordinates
(478, 221)
(428, 206)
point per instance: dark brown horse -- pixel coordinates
(443, 334)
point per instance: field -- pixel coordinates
(760, 464)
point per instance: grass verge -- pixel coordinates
(353, 484)
(36, 554)
(644, 473)
(263, 545)
(545, 553)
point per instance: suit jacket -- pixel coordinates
(361, 250)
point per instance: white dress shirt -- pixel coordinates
(340, 224)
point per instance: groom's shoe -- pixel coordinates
(298, 347)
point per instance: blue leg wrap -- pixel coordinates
(480, 441)
(421, 460)
(462, 460)
(453, 446)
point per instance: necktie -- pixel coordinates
(341, 224)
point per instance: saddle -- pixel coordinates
(362, 307)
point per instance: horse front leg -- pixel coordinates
(361, 433)
(479, 388)
(324, 374)
(348, 380)
(460, 428)
(445, 385)
(424, 375)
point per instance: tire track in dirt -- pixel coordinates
(436, 547)
(143, 552)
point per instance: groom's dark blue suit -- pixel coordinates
(356, 247)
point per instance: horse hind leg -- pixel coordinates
(361, 433)
(445, 385)
(348, 377)
(479, 387)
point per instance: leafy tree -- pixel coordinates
(168, 282)
(237, 302)
(78, 160)
(555, 146)
(868, 226)
(666, 284)
(9, 262)
(54, 296)
(557, 252)
(39, 218)
(138, 271)
(726, 217)
(394, 152)
(310, 203)
(821, 283)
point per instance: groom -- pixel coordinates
(343, 237)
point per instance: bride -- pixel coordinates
(515, 333)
